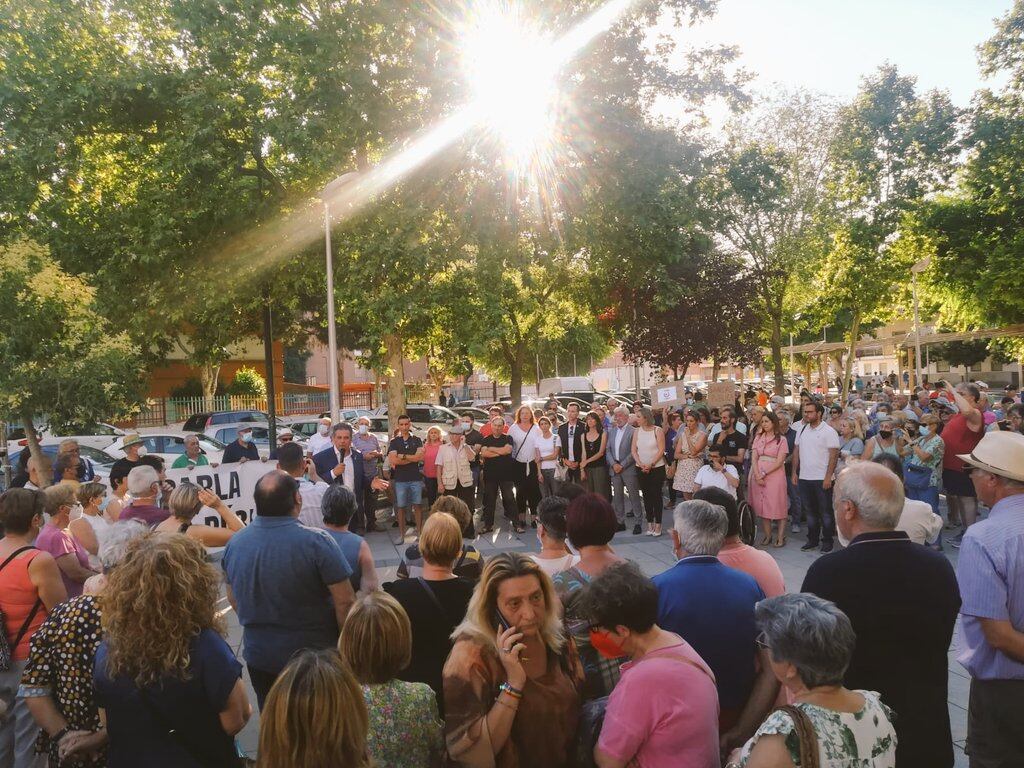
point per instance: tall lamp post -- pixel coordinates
(792, 361)
(915, 270)
(328, 192)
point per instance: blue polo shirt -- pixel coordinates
(279, 571)
(711, 606)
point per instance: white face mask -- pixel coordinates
(247, 437)
(363, 429)
(142, 450)
(322, 429)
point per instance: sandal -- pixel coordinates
(765, 540)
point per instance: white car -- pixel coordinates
(99, 436)
(170, 445)
(424, 416)
(224, 434)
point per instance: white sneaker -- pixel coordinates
(795, 528)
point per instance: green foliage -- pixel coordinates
(295, 364)
(962, 353)
(248, 381)
(192, 387)
(60, 357)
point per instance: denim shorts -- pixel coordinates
(408, 493)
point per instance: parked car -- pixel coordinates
(578, 386)
(228, 433)
(170, 445)
(425, 415)
(564, 400)
(93, 435)
(201, 422)
(478, 414)
(350, 414)
(102, 460)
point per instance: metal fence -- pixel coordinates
(161, 411)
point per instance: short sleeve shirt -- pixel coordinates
(709, 478)
(499, 467)
(59, 543)
(279, 572)
(405, 473)
(814, 444)
(732, 444)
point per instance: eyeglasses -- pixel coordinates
(285, 438)
(762, 641)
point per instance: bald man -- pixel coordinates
(902, 599)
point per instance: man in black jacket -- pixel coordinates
(570, 437)
(902, 599)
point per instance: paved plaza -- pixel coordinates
(653, 555)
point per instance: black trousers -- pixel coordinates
(262, 682)
(491, 489)
(572, 475)
(464, 492)
(527, 489)
(369, 511)
(650, 487)
(995, 724)
(430, 491)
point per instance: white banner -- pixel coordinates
(234, 483)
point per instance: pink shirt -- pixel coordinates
(756, 563)
(663, 712)
(58, 543)
(429, 457)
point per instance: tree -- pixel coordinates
(892, 148)
(61, 359)
(767, 190)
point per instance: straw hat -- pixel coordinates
(1001, 453)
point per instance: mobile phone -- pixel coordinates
(502, 623)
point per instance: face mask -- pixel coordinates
(363, 429)
(884, 435)
(247, 437)
(322, 429)
(605, 645)
(925, 430)
(142, 450)
(466, 426)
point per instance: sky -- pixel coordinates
(828, 45)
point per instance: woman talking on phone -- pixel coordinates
(512, 680)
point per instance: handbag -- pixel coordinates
(670, 470)
(806, 734)
(7, 646)
(916, 477)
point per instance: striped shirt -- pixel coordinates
(991, 575)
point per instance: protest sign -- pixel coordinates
(721, 393)
(668, 395)
(234, 483)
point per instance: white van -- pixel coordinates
(577, 386)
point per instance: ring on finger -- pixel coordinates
(507, 650)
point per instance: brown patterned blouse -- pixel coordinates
(544, 731)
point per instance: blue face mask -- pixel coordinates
(925, 430)
(247, 437)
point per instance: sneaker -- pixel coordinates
(620, 527)
(636, 529)
(957, 540)
(826, 547)
(795, 528)
(808, 546)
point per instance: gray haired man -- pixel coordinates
(711, 606)
(622, 468)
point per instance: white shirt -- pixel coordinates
(546, 446)
(311, 514)
(348, 474)
(617, 451)
(919, 522)
(554, 565)
(318, 443)
(709, 478)
(814, 444)
(571, 431)
(522, 445)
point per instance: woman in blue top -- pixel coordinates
(338, 506)
(168, 686)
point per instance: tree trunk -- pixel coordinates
(682, 376)
(851, 354)
(45, 470)
(823, 373)
(208, 374)
(396, 381)
(340, 363)
(808, 372)
(515, 375)
(714, 368)
(780, 376)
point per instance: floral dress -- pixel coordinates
(60, 665)
(405, 728)
(864, 739)
(687, 469)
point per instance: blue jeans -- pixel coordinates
(408, 493)
(816, 503)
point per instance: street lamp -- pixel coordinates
(330, 191)
(792, 363)
(915, 270)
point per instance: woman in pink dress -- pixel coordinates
(767, 486)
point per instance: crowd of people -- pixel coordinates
(113, 606)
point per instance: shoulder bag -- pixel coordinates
(806, 734)
(7, 646)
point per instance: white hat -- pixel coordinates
(1001, 453)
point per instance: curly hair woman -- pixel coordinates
(168, 686)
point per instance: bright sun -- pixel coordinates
(512, 68)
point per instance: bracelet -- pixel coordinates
(512, 691)
(506, 705)
(60, 735)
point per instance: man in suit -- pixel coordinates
(343, 464)
(570, 437)
(902, 600)
(623, 470)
